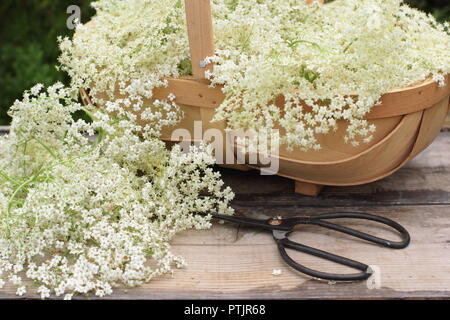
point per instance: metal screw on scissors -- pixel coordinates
(281, 228)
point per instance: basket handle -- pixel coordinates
(201, 34)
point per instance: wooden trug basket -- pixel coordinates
(408, 121)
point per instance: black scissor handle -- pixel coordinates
(283, 242)
(318, 220)
(286, 243)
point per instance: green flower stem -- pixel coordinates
(8, 178)
(49, 150)
(23, 185)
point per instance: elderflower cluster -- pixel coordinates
(79, 214)
(330, 62)
(319, 57)
(128, 49)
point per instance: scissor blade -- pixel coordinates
(250, 222)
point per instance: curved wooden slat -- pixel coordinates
(362, 168)
(429, 123)
(396, 102)
(427, 133)
(432, 122)
(409, 100)
(334, 146)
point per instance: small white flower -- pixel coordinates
(276, 272)
(36, 89)
(114, 202)
(44, 291)
(68, 296)
(91, 202)
(21, 291)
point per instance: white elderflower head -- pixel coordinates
(264, 49)
(80, 215)
(149, 43)
(83, 214)
(329, 52)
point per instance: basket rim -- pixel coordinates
(396, 102)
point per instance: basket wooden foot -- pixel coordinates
(308, 189)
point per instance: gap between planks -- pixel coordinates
(237, 262)
(423, 181)
(229, 267)
(239, 267)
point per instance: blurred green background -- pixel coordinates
(28, 48)
(28, 45)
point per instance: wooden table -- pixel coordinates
(228, 262)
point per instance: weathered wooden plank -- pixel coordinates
(407, 187)
(229, 262)
(425, 180)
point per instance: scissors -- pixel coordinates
(282, 227)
